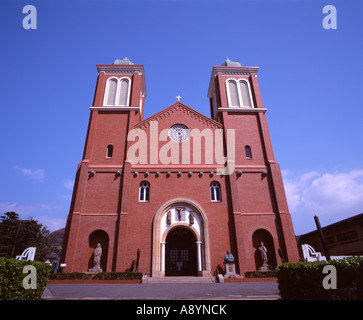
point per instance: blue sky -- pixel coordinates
(310, 80)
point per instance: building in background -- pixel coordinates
(343, 238)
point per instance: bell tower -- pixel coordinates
(96, 202)
(257, 193)
(118, 105)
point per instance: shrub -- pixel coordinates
(12, 276)
(70, 276)
(118, 275)
(97, 276)
(304, 280)
(260, 274)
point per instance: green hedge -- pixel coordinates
(97, 276)
(70, 276)
(12, 277)
(304, 280)
(118, 276)
(260, 274)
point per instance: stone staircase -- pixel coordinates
(180, 280)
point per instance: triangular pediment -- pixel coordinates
(176, 110)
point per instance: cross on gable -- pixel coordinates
(178, 97)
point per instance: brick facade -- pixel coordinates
(106, 206)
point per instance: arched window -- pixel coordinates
(245, 94)
(123, 92)
(215, 191)
(233, 94)
(117, 92)
(144, 194)
(248, 152)
(239, 94)
(111, 91)
(109, 151)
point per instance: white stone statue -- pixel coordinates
(263, 252)
(97, 257)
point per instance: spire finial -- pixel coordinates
(178, 97)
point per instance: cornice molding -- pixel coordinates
(234, 70)
(241, 109)
(114, 108)
(120, 68)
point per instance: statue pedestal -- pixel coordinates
(94, 270)
(265, 268)
(231, 270)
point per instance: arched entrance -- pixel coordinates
(180, 234)
(181, 253)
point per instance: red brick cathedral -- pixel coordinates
(179, 187)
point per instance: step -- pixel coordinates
(180, 280)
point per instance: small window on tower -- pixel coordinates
(109, 151)
(144, 194)
(215, 191)
(248, 152)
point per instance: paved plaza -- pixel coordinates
(266, 290)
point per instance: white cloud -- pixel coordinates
(294, 187)
(332, 196)
(51, 223)
(40, 212)
(37, 174)
(26, 210)
(335, 193)
(68, 184)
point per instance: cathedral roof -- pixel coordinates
(123, 61)
(180, 107)
(231, 63)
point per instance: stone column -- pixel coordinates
(162, 256)
(199, 252)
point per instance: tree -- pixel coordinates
(31, 234)
(8, 225)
